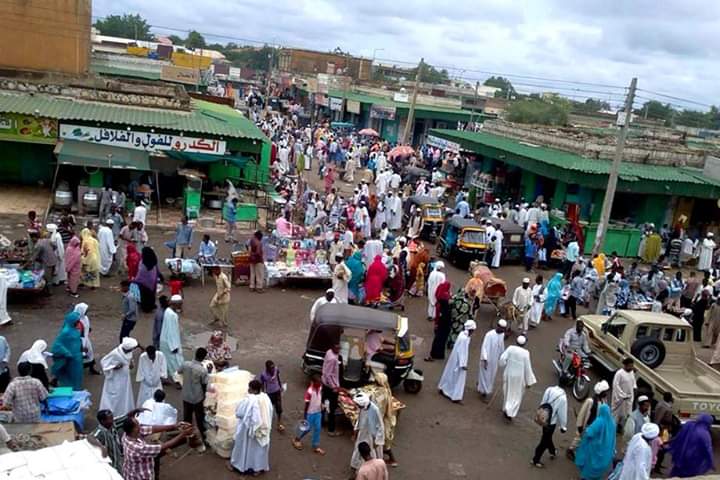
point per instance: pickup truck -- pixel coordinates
(664, 355)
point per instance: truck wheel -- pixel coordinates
(412, 386)
(649, 350)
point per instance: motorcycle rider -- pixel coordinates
(574, 340)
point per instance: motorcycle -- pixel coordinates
(574, 375)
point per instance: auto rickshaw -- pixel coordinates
(513, 239)
(350, 326)
(462, 240)
(432, 215)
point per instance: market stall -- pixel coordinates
(296, 260)
(351, 410)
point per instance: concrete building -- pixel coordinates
(310, 62)
(46, 35)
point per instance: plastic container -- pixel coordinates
(302, 428)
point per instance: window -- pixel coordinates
(616, 327)
(648, 331)
(669, 335)
(681, 335)
(642, 331)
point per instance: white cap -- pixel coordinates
(650, 431)
(330, 290)
(643, 398)
(601, 386)
(362, 399)
(176, 298)
(51, 227)
(521, 340)
(526, 280)
(502, 323)
(110, 221)
(439, 264)
(470, 325)
(129, 343)
(710, 234)
(687, 312)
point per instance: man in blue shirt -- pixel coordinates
(230, 213)
(183, 238)
(462, 208)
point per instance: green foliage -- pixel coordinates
(506, 88)
(125, 26)
(176, 40)
(671, 116)
(195, 40)
(591, 105)
(430, 74)
(251, 57)
(542, 112)
(655, 110)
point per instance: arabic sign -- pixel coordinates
(28, 128)
(442, 143)
(336, 104)
(352, 106)
(383, 112)
(170, 73)
(401, 97)
(150, 142)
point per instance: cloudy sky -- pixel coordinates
(671, 45)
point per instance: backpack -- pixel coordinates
(543, 414)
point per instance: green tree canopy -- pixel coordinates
(125, 26)
(195, 40)
(542, 112)
(176, 40)
(506, 88)
(591, 105)
(251, 57)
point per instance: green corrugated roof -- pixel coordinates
(205, 117)
(375, 100)
(124, 72)
(690, 178)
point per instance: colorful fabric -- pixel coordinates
(67, 364)
(595, 454)
(461, 312)
(139, 462)
(375, 279)
(24, 395)
(554, 290)
(691, 449)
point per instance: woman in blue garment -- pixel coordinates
(691, 449)
(595, 454)
(67, 367)
(355, 264)
(554, 290)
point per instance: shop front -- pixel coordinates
(26, 148)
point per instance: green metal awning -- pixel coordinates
(236, 160)
(87, 154)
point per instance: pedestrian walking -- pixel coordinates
(517, 376)
(555, 401)
(452, 381)
(312, 415)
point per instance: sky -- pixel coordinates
(670, 46)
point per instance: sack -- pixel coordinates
(543, 414)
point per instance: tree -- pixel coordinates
(176, 40)
(591, 105)
(195, 40)
(125, 26)
(542, 112)
(430, 74)
(656, 110)
(506, 88)
(251, 57)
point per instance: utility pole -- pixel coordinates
(475, 100)
(614, 171)
(411, 111)
(271, 57)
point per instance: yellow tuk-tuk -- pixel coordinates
(462, 240)
(432, 215)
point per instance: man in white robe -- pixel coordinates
(637, 462)
(106, 241)
(60, 275)
(373, 247)
(157, 412)
(492, 349)
(497, 247)
(251, 452)
(707, 247)
(341, 277)
(517, 376)
(381, 182)
(380, 216)
(538, 298)
(152, 369)
(523, 215)
(117, 392)
(393, 206)
(369, 429)
(522, 300)
(623, 391)
(436, 277)
(170, 340)
(452, 381)
(329, 297)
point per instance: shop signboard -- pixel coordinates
(28, 128)
(443, 144)
(336, 104)
(149, 142)
(352, 106)
(189, 76)
(189, 60)
(382, 112)
(401, 97)
(321, 100)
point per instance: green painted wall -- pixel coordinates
(652, 209)
(597, 200)
(560, 194)
(528, 184)
(26, 163)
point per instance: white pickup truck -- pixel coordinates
(664, 355)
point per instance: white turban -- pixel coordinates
(439, 264)
(470, 325)
(502, 323)
(109, 221)
(128, 343)
(329, 290)
(362, 400)
(526, 280)
(521, 340)
(176, 298)
(601, 386)
(51, 227)
(650, 431)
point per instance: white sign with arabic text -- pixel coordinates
(150, 142)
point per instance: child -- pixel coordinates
(272, 385)
(313, 415)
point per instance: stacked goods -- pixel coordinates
(225, 391)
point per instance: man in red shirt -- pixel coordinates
(257, 263)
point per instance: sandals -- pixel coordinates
(319, 451)
(280, 428)
(297, 444)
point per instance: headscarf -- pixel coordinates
(92, 248)
(148, 273)
(73, 255)
(217, 348)
(595, 454)
(554, 290)
(357, 270)
(67, 353)
(443, 291)
(388, 411)
(35, 354)
(691, 449)
(149, 259)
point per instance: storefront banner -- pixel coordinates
(352, 106)
(150, 142)
(188, 76)
(336, 104)
(28, 128)
(382, 112)
(321, 99)
(443, 144)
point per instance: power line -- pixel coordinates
(675, 98)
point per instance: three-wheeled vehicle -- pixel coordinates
(513, 239)
(462, 240)
(432, 215)
(350, 326)
(413, 174)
